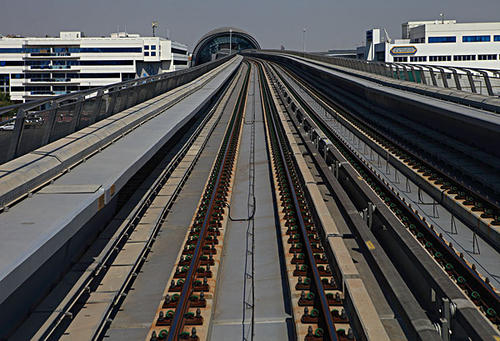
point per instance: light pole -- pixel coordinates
(230, 41)
(304, 41)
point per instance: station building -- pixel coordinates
(33, 68)
(439, 42)
(222, 42)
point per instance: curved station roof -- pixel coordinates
(220, 42)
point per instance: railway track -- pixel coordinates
(477, 288)
(185, 311)
(323, 289)
(319, 304)
(132, 240)
(316, 296)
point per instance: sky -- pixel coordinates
(329, 24)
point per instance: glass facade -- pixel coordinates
(442, 40)
(496, 38)
(56, 50)
(473, 39)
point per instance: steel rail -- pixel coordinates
(280, 143)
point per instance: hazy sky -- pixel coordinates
(330, 24)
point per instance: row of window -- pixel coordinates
(180, 62)
(465, 39)
(46, 63)
(152, 53)
(66, 50)
(446, 58)
(64, 75)
(179, 51)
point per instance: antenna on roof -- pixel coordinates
(442, 17)
(154, 25)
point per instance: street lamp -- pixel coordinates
(304, 41)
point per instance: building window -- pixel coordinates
(106, 62)
(110, 49)
(180, 62)
(11, 50)
(400, 59)
(496, 38)
(153, 47)
(179, 51)
(418, 59)
(473, 39)
(153, 53)
(440, 58)
(146, 47)
(12, 63)
(464, 57)
(146, 53)
(487, 57)
(442, 40)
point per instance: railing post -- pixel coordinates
(16, 134)
(487, 82)
(111, 104)
(100, 94)
(414, 74)
(78, 113)
(422, 75)
(471, 82)
(50, 123)
(443, 76)
(433, 77)
(457, 81)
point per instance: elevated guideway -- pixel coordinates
(269, 196)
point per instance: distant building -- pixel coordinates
(32, 68)
(439, 42)
(341, 53)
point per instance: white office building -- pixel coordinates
(33, 68)
(440, 42)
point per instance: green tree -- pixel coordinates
(5, 99)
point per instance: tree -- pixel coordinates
(5, 99)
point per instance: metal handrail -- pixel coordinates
(37, 123)
(393, 69)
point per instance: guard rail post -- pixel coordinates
(487, 83)
(50, 123)
(16, 134)
(471, 82)
(457, 81)
(78, 113)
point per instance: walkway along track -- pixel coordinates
(479, 291)
(192, 285)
